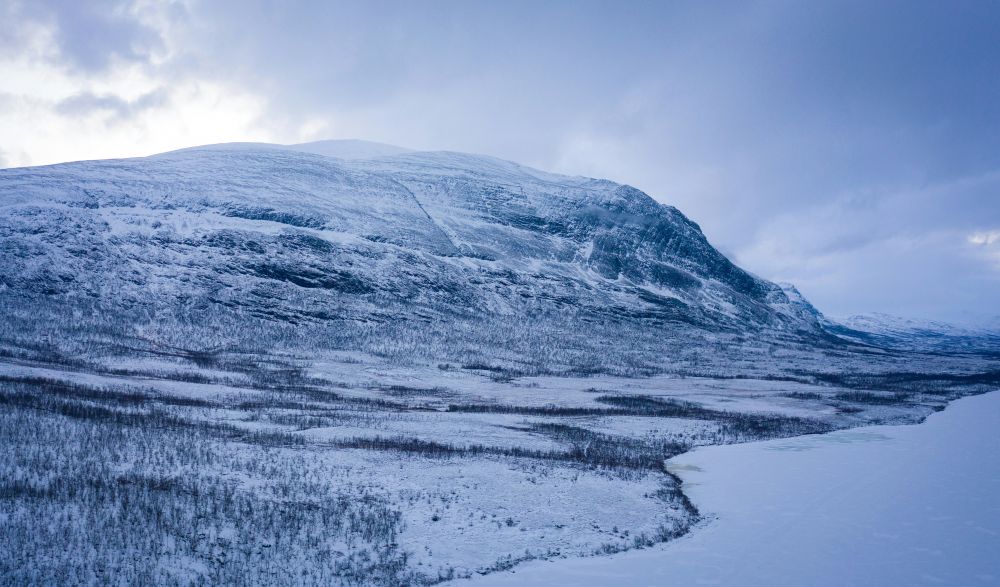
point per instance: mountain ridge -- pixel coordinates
(293, 238)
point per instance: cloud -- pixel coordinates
(985, 239)
(97, 80)
(986, 244)
(120, 109)
(915, 251)
(87, 37)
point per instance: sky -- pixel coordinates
(849, 147)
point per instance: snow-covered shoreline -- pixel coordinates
(869, 506)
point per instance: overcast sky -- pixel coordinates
(852, 148)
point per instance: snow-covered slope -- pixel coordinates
(889, 330)
(361, 233)
(348, 149)
(895, 332)
(890, 325)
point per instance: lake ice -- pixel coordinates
(884, 505)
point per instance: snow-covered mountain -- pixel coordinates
(357, 233)
(897, 331)
(890, 325)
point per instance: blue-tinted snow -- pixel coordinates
(909, 505)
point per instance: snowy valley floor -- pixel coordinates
(882, 505)
(345, 470)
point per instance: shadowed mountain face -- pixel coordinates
(291, 239)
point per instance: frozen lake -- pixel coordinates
(899, 505)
